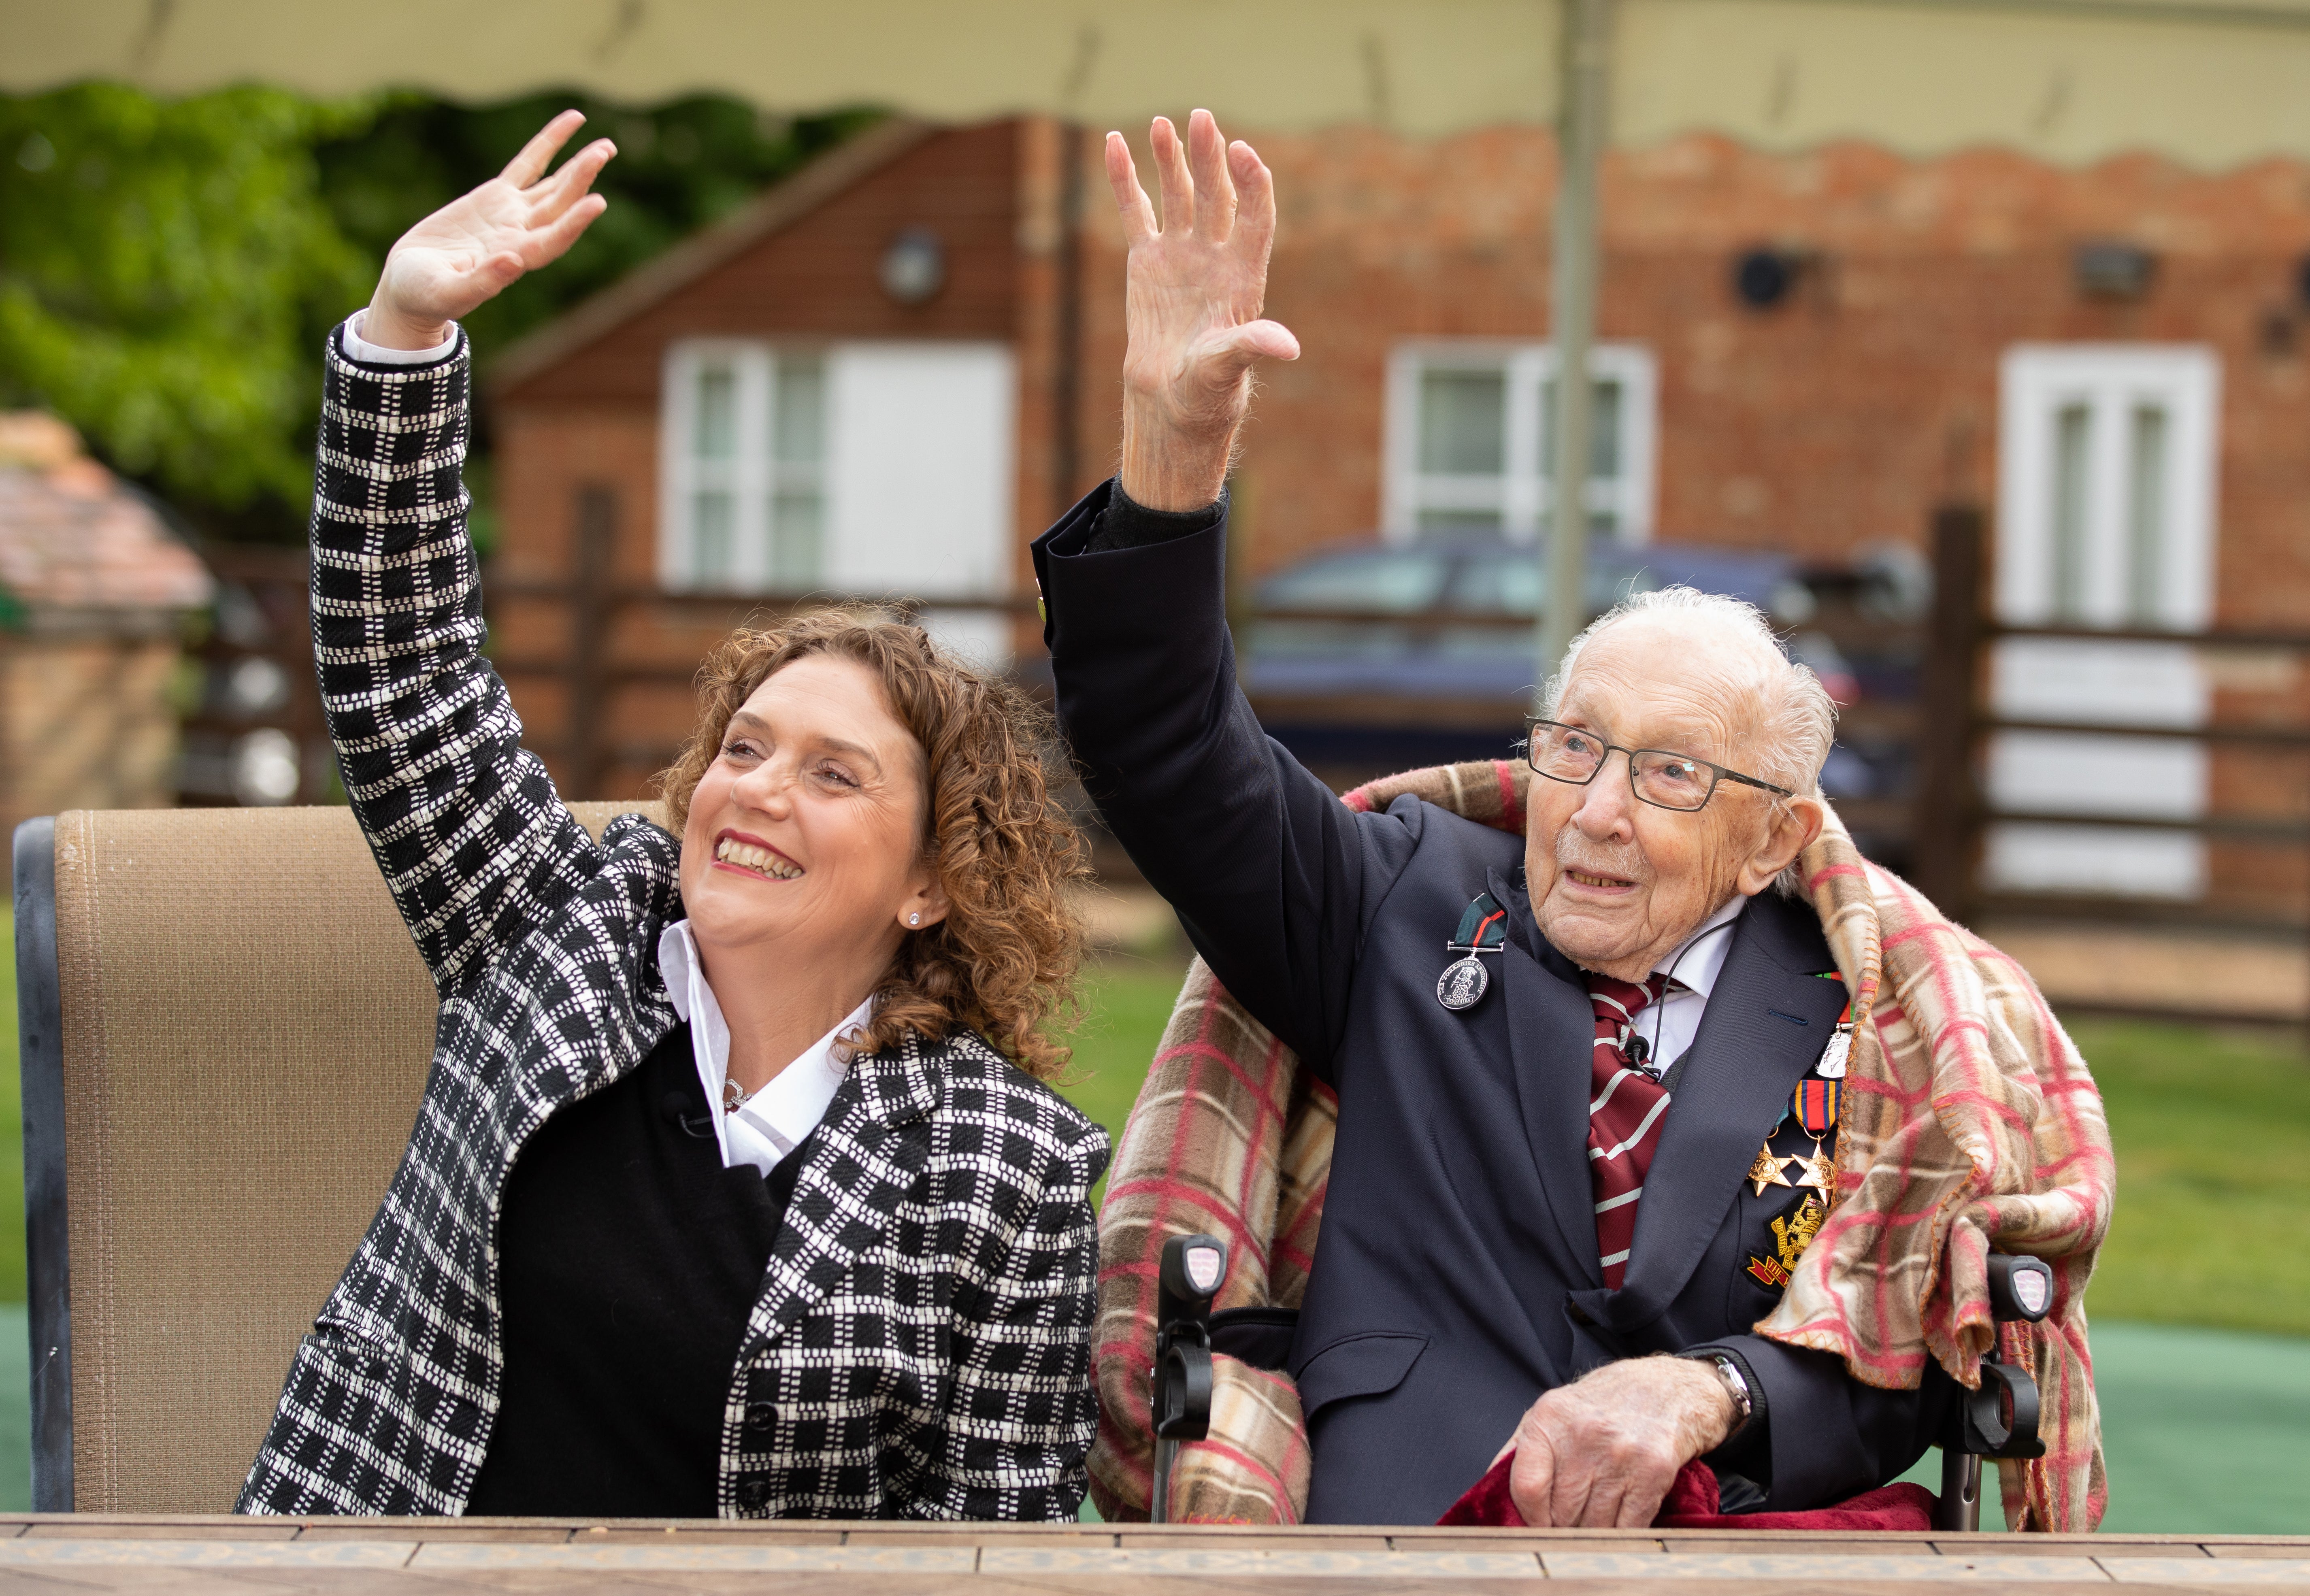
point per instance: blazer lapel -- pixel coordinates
(1768, 1017)
(871, 1147)
(1551, 1031)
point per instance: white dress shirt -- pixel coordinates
(358, 348)
(1668, 1026)
(773, 1122)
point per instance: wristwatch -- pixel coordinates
(1736, 1386)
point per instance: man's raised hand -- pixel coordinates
(1196, 281)
(469, 250)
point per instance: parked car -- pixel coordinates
(1372, 655)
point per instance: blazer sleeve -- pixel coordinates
(1819, 1436)
(464, 824)
(1273, 877)
(1022, 1412)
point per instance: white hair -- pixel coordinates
(1795, 719)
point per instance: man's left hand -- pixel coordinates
(1601, 1451)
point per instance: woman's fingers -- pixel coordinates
(550, 198)
(1130, 198)
(1214, 195)
(1171, 172)
(554, 241)
(536, 155)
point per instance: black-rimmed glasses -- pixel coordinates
(1655, 776)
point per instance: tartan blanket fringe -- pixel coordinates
(1970, 1124)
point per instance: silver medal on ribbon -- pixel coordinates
(1462, 984)
(1833, 1057)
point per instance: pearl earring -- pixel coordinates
(914, 919)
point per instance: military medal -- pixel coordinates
(1768, 1169)
(1833, 1056)
(1483, 929)
(1815, 1105)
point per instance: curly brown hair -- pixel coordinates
(1004, 960)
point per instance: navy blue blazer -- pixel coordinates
(1457, 1274)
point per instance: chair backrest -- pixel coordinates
(225, 1033)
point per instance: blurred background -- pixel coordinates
(1968, 341)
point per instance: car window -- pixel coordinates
(1507, 581)
(1392, 581)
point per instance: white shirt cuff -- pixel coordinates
(358, 348)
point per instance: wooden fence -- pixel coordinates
(1954, 810)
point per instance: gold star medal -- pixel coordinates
(1820, 1173)
(1767, 1171)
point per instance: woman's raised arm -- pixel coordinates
(465, 825)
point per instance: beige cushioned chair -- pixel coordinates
(225, 1031)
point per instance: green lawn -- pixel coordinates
(2212, 1131)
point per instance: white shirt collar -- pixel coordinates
(774, 1121)
(1699, 973)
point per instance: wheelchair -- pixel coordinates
(1998, 1419)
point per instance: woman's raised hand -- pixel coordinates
(1195, 284)
(469, 250)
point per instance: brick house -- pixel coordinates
(891, 371)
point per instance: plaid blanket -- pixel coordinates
(1970, 1124)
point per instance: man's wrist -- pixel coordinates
(1166, 468)
(1731, 1382)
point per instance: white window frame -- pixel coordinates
(2117, 682)
(752, 476)
(1522, 492)
(2036, 381)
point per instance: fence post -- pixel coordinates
(593, 553)
(1949, 810)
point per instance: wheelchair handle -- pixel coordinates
(1193, 1269)
(1999, 1419)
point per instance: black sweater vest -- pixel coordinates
(628, 1260)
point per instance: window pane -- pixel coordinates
(797, 517)
(1604, 434)
(2146, 510)
(718, 413)
(1463, 422)
(799, 412)
(712, 535)
(1604, 425)
(1459, 520)
(1401, 581)
(2072, 458)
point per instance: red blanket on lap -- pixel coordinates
(1692, 1503)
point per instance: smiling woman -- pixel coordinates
(735, 1191)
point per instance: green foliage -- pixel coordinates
(161, 263)
(169, 269)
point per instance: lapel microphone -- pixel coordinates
(1639, 1051)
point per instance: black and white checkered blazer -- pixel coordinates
(920, 1346)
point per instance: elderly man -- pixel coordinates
(1566, 1066)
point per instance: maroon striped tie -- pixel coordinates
(1625, 1114)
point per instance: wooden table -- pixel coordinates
(55, 1554)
